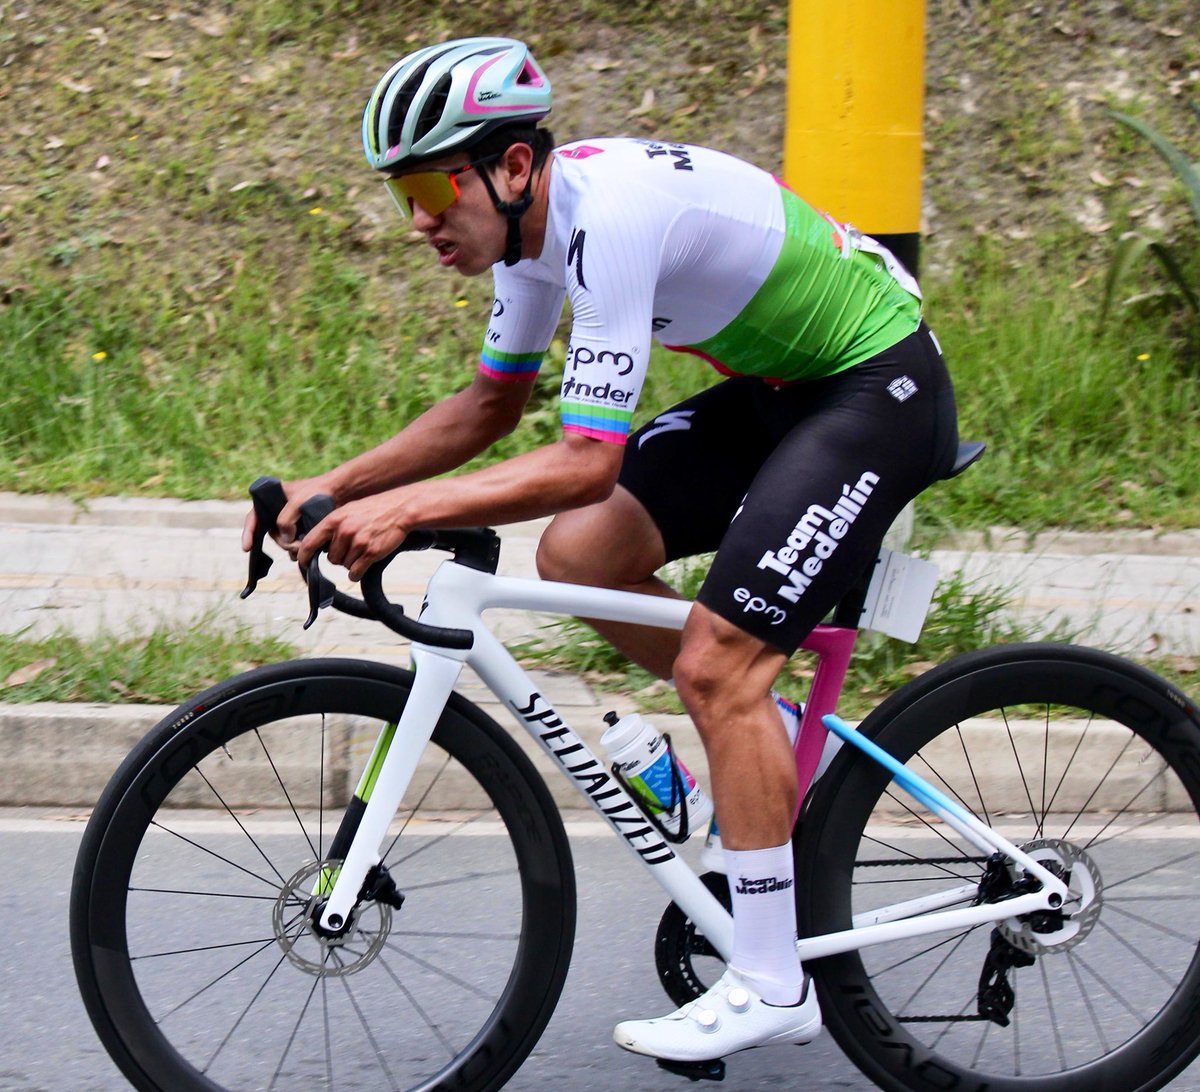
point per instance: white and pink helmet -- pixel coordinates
(445, 97)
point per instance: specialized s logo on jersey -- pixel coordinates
(671, 421)
(575, 254)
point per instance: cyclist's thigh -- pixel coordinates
(691, 465)
(610, 544)
(864, 443)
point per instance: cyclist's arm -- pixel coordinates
(573, 472)
(445, 436)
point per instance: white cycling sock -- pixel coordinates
(762, 884)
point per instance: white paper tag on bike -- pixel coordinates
(899, 595)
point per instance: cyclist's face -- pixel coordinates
(470, 234)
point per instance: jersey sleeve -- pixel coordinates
(611, 270)
(525, 313)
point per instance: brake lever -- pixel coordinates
(269, 500)
(321, 589)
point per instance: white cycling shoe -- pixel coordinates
(727, 1018)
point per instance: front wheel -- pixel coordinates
(195, 902)
(1090, 764)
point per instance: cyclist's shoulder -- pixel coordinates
(618, 166)
(643, 191)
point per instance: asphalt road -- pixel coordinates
(47, 1045)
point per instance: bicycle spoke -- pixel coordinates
(201, 894)
(380, 1055)
(956, 943)
(288, 796)
(1115, 994)
(229, 811)
(428, 1021)
(908, 856)
(457, 881)
(1114, 884)
(1150, 923)
(1020, 766)
(218, 856)
(1069, 763)
(242, 1015)
(287, 1049)
(446, 976)
(209, 985)
(1086, 996)
(1053, 1021)
(417, 806)
(202, 948)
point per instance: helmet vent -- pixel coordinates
(431, 113)
(529, 76)
(403, 101)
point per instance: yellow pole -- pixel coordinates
(852, 141)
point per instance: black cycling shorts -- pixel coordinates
(794, 487)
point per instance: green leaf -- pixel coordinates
(1127, 253)
(1178, 162)
(1167, 261)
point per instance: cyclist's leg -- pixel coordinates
(613, 544)
(684, 475)
(861, 445)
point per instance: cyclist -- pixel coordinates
(837, 410)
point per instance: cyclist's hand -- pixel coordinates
(297, 493)
(358, 534)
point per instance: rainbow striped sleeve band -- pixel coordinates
(509, 366)
(598, 422)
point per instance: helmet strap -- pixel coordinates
(512, 211)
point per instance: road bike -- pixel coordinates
(337, 873)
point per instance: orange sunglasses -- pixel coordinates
(434, 190)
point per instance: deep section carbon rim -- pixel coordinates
(193, 919)
(1091, 765)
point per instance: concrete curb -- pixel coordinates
(80, 564)
(53, 510)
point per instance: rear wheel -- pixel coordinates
(193, 921)
(1092, 765)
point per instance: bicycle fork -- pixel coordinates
(382, 787)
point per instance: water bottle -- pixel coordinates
(642, 757)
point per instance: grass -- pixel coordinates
(164, 666)
(199, 283)
(1084, 429)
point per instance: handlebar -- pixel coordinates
(475, 547)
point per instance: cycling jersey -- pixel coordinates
(702, 251)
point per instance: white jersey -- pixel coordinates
(700, 250)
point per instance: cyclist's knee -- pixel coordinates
(721, 668)
(562, 552)
(612, 545)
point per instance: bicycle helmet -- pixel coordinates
(444, 98)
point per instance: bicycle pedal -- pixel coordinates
(713, 1070)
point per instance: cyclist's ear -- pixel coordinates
(515, 166)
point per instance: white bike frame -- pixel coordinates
(456, 598)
